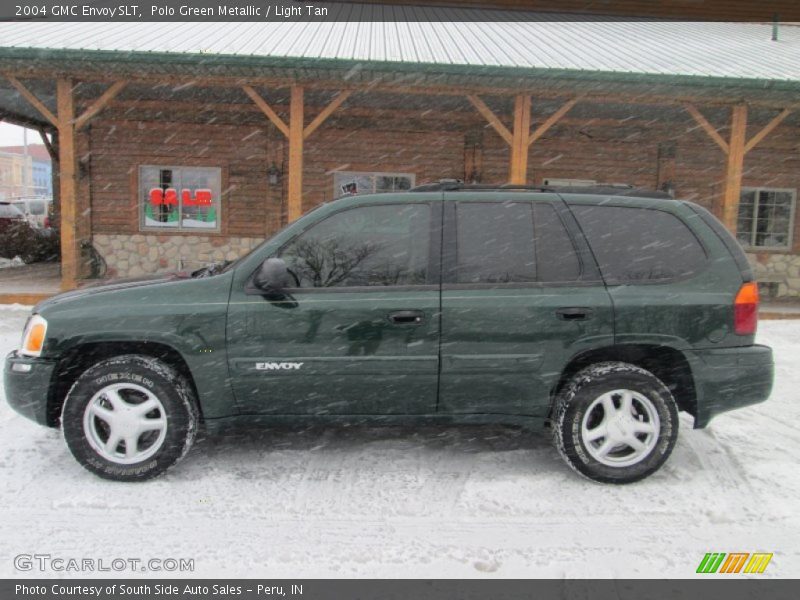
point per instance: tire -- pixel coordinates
(129, 418)
(602, 440)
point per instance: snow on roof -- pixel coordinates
(703, 49)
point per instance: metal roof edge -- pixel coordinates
(348, 65)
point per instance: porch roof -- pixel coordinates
(455, 42)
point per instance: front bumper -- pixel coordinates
(27, 386)
(730, 378)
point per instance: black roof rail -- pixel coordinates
(600, 189)
(456, 185)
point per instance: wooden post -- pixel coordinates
(521, 138)
(734, 167)
(518, 168)
(735, 149)
(68, 185)
(65, 196)
(296, 132)
(295, 185)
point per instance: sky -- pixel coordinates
(11, 135)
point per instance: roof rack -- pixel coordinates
(601, 189)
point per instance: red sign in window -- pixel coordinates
(201, 197)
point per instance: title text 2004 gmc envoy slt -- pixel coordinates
(598, 313)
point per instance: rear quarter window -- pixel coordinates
(640, 245)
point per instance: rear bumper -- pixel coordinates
(27, 385)
(730, 378)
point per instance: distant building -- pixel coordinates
(15, 175)
(35, 173)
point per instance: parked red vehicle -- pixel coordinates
(9, 214)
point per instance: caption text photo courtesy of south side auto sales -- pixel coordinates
(253, 11)
(165, 590)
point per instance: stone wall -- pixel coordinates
(782, 270)
(143, 254)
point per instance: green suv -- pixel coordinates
(596, 313)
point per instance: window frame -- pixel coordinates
(180, 229)
(751, 246)
(337, 193)
(434, 255)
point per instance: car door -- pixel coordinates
(359, 335)
(521, 295)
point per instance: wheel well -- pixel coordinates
(668, 364)
(83, 356)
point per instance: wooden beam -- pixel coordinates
(707, 127)
(767, 130)
(326, 112)
(295, 186)
(99, 104)
(496, 123)
(551, 120)
(67, 160)
(518, 167)
(267, 110)
(22, 121)
(734, 167)
(48, 144)
(30, 97)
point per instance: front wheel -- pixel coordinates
(615, 422)
(129, 418)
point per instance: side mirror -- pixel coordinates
(273, 277)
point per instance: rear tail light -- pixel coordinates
(745, 309)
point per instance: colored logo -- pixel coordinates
(734, 562)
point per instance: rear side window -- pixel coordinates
(36, 208)
(557, 259)
(640, 244)
(494, 243)
(512, 242)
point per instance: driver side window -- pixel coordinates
(381, 245)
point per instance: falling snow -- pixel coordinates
(416, 502)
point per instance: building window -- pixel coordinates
(766, 216)
(349, 183)
(180, 198)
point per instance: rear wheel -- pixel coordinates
(129, 418)
(615, 423)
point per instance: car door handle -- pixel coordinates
(406, 317)
(574, 313)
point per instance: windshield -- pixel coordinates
(36, 208)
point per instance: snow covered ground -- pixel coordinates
(461, 502)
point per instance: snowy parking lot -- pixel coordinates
(416, 502)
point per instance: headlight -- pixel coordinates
(33, 336)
